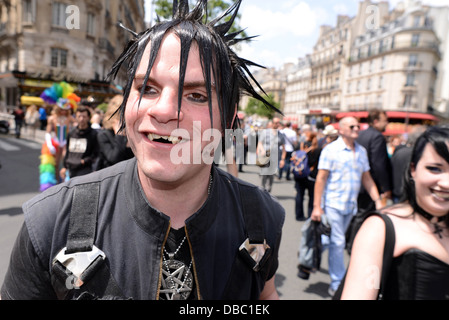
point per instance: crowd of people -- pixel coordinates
(354, 174)
(156, 229)
(79, 142)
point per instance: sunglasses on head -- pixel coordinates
(354, 126)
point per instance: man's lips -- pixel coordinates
(168, 139)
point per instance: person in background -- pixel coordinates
(32, 120)
(19, 117)
(43, 117)
(400, 162)
(393, 143)
(291, 144)
(307, 183)
(113, 145)
(375, 144)
(271, 140)
(330, 134)
(97, 119)
(81, 148)
(342, 168)
(419, 268)
(59, 124)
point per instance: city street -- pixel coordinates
(19, 181)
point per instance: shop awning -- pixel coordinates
(390, 115)
(28, 100)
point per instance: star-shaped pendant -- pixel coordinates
(176, 285)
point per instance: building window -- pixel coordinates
(58, 58)
(415, 39)
(91, 24)
(383, 63)
(59, 14)
(413, 60)
(410, 79)
(381, 46)
(416, 21)
(29, 11)
(407, 100)
(381, 82)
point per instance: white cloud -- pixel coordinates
(297, 20)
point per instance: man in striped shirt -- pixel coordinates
(343, 167)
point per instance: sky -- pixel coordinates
(288, 29)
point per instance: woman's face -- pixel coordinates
(431, 176)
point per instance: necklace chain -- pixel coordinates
(173, 288)
(179, 288)
(177, 249)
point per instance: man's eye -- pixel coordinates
(146, 90)
(197, 97)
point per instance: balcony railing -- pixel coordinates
(428, 45)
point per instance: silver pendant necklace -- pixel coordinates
(177, 280)
(173, 286)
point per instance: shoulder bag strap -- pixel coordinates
(254, 250)
(80, 267)
(390, 240)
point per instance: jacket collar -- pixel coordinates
(156, 222)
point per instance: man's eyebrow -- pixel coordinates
(196, 84)
(187, 84)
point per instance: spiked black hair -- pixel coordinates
(230, 72)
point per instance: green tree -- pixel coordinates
(164, 9)
(255, 106)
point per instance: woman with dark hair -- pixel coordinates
(419, 267)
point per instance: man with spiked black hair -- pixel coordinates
(168, 224)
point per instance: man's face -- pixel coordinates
(82, 118)
(350, 129)
(382, 123)
(165, 153)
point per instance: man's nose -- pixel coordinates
(165, 108)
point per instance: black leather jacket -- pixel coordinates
(132, 233)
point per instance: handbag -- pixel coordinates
(390, 240)
(263, 159)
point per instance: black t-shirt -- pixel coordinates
(313, 157)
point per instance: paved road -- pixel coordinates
(19, 182)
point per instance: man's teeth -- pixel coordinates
(172, 139)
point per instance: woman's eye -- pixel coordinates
(433, 169)
(197, 97)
